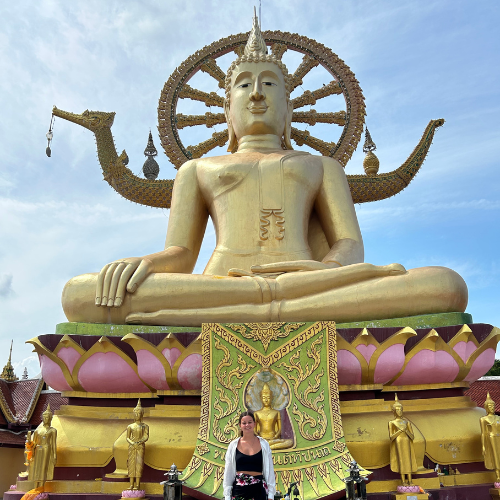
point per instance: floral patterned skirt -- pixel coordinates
(246, 487)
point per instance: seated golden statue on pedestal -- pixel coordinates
(43, 448)
(401, 434)
(490, 437)
(137, 435)
(265, 201)
(268, 422)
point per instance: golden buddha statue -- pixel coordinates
(402, 452)
(44, 451)
(490, 437)
(268, 422)
(274, 210)
(137, 435)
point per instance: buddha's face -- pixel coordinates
(398, 411)
(138, 414)
(46, 418)
(490, 408)
(258, 102)
(266, 398)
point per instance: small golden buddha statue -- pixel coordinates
(268, 422)
(289, 245)
(403, 458)
(490, 437)
(44, 451)
(137, 435)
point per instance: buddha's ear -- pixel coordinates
(288, 126)
(233, 141)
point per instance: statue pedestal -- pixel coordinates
(409, 496)
(103, 370)
(495, 493)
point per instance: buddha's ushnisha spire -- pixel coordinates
(8, 370)
(256, 46)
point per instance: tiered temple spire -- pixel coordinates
(8, 370)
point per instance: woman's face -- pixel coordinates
(247, 424)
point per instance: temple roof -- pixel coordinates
(479, 389)
(22, 403)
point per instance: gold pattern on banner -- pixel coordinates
(219, 476)
(205, 388)
(338, 431)
(286, 478)
(311, 476)
(299, 479)
(266, 332)
(323, 472)
(208, 467)
(335, 466)
(316, 402)
(202, 449)
(232, 381)
(192, 467)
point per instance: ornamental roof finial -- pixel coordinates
(256, 46)
(8, 370)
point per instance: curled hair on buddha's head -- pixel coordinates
(247, 413)
(256, 51)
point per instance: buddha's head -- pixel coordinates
(489, 405)
(397, 407)
(258, 93)
(138, 411)
(266, 396)
(47, 416)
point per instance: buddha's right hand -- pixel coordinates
(119, 277)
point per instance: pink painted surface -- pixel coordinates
(70, 356)
(349, 369)
(151, 370)
(389, 363)
(429, 367)
(171, 355)
(108, 372)
(189, 373)
(52, 374)
(366, 351)
(482, 364)
(465, 349)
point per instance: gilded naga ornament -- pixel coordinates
(137, 435)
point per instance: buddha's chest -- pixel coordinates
(271, 181)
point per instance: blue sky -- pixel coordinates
(415, 61)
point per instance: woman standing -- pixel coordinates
(249, 471)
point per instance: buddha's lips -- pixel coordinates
(257, 109)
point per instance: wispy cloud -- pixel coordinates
(6, 289)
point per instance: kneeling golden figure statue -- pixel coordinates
(268, 422)
(137, 435)
(402, 455)
(289, 246)
(490, 437)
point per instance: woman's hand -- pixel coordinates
(119, 277)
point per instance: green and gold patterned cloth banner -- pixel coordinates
(297, 362)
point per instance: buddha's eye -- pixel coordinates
(244, 85)
(269, 84)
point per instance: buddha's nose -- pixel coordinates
(257, 93)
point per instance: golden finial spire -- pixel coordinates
(396, 404)
(8, 370)
(256, 46)
(138, 407)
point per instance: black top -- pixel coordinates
(249, 462)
